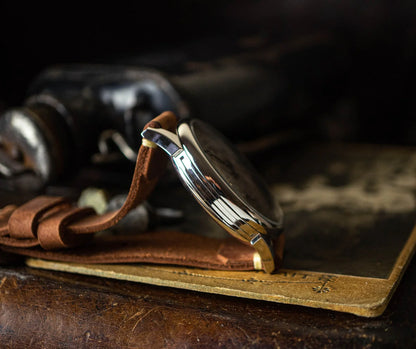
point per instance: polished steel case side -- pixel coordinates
(165, 139)
(272, 225)
(232, 218)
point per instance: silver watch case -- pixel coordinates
(224, 184)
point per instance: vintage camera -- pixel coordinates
(75, 114)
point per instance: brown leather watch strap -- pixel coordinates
(46, 225)
(23, 221)
(60, 223)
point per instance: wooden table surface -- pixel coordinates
(45, 309)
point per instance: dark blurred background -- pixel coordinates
(375, 93)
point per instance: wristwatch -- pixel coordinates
(224, 183)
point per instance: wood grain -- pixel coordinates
(43, 309)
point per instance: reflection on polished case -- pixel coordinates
(224, 184)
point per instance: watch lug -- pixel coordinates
(165, 139)
(265, 250)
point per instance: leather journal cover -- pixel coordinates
(349, 228)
